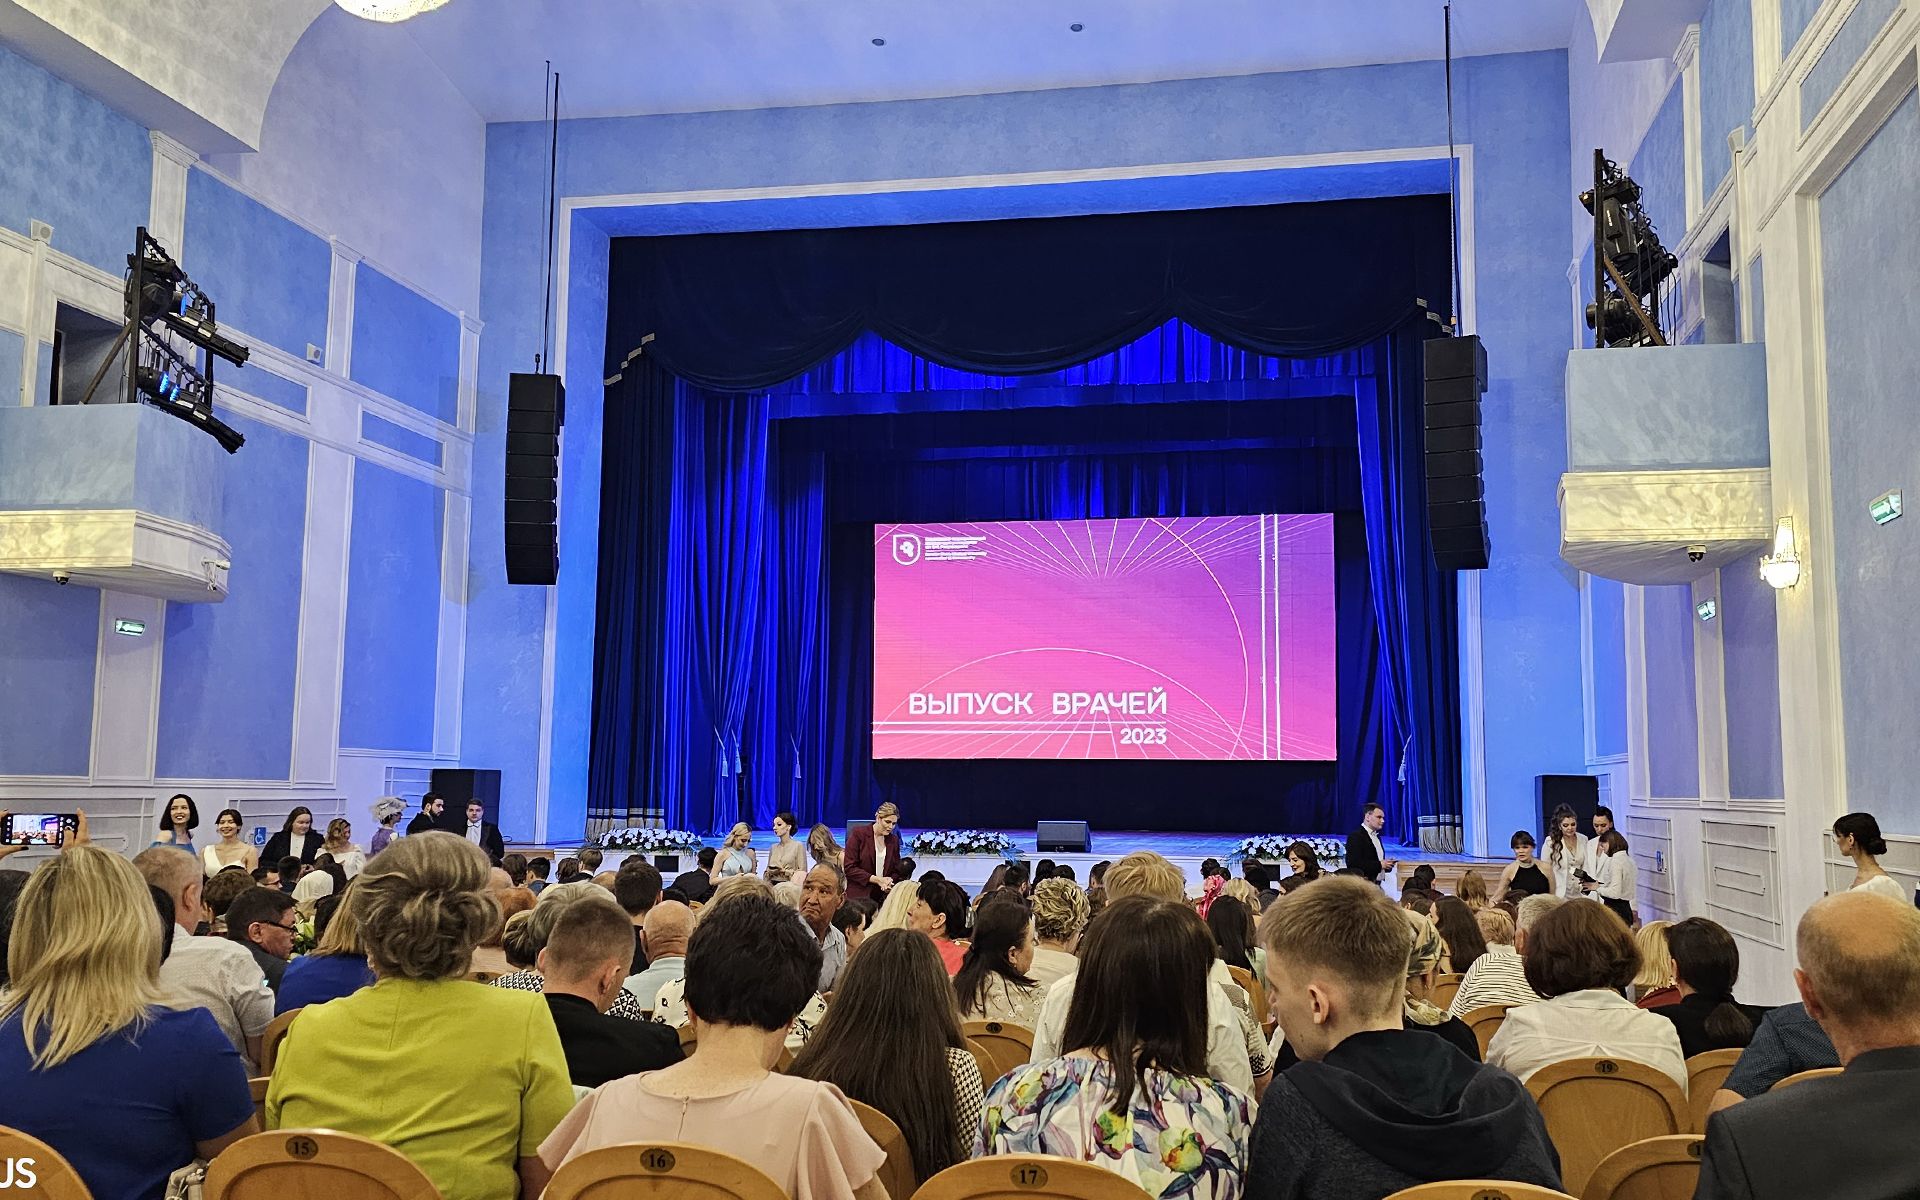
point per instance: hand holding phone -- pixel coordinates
(18, 831)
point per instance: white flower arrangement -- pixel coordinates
(1272, 847)
(650, 841)
(962, 841)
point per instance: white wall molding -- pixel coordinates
(167, 210)
(341, 278)
(1687, 58)
(323, 615)
(1710, 695)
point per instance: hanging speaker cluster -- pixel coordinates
(1456, 378)
(536, 408)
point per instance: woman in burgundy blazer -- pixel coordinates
(862, 863)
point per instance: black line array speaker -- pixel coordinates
(536, 408)
(1456, 378)
(1581, 793)
(1068, 836)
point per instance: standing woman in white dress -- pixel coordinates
(1858, 837)
(1566, 850)
(229, 851)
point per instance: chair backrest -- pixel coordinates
(1661, 1168)
(1485, 1022)
(1256, 995)
(989, 1068)
(1803, 1076)
(258, 1087)
(315, 1164)
(1027, 1177)
(1009, 1046)
(1478, 1189)
(897, 1174)
(1594, 1106)
(1445, 989)
(52, 1176)
(270, 1040)
(659, 1171)
(1706, 1071)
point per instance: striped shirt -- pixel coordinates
(1496, 977)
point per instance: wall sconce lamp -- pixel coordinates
(1781, 569)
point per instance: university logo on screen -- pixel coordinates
(906, 548)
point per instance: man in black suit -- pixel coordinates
(696, 885)
(1836, 1138)
(484, 834)
(1366, 856)
(584, 963)
(432, 815)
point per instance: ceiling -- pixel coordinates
(651, 56)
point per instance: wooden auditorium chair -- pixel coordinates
(1256, 995)
(897, 1174)
(270, 1040)
(1027, 1177)
(1706, 1071)
(258, 1087)
(984, 1059)
(54, 1176)
(1803, 1076)
(1661, 1168)
(1009, 1046)
(1485, 1021)
(1445, 989)
(315, 1164)
(1594, 1106)
(1478, 1189)
(657, 1171)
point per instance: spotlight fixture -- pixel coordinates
(1707, 609)
(388, 11)
(1781, 569)
(1629, 263)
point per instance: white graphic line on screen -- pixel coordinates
(1044, 559)
(1238, 535)
(1239, 631)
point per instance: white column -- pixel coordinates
(323, 610)
(1687, 58)
(339, 355)
(167, 213)
(126, 689)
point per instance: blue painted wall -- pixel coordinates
(49, 639)
(405, 345)
(227, 676)
(13, 355)
(1512, 108)
(262, 384)
(1726, 83)
(69, 160)
(393, 611)
(382, 432)
(1660, 168)
(1750, 650)
(1795, 16)
(1607, 606)
(269, 275)
(1857, 32)
(1673, 720)
(1872, 290)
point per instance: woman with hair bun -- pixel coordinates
(1706, 963)
(1857, 835)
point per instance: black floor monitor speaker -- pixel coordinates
(458, 787)
(1068, 836)
(1456, 378)
(536, 408)
(1581, 793)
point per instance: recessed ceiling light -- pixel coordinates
(1076, 27)
(879, 41)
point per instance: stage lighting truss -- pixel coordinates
(1629, 264)
(171, 323)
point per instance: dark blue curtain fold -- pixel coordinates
(1168, 363)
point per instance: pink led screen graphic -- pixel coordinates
(1149, 638)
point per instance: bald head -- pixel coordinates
(667, 927)
(1860, 965)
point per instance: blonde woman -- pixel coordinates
(736, 855)
(1060, 916)
(470, 1120)
(339, 843)
(896, 908)
(125, 1088)
(1654, 986)
(823, 848)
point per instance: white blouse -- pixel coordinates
(1618, 877)
(1564, 884)
(1885, 885)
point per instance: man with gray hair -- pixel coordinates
(1837, 1138)
(207, 972)
(821, 894)
(1500, 975)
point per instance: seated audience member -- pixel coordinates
(1065, 871)
(854, 920)
(1653, 984)
(261, 919)
(1060, 915)
(823, 848)
(1018, 879)
(516, 943)
(1236, 1051)
(1500, 975)
(340, 845)
(317, 882)
(1496, 928)
(696, 885)
(1857, 836)
(895, 912)
(585, 960)
(296, 840)
(538, 869)
(289, 870)
(335, 967)
(670, 1005)
(1837, 1138)
(993, 983)
(1303, 864)
(1128, 1087)
(207, 972)
(1524, 874)
(1423, 971)
(221, 888)
(11, 882)
(751, 968)
(1787, 1042)
(889, 1037)
(637, 887)
(821, 895)
(1259, 876)
(491, 955)
(1044, 870)
(515, 865)
(95, 1065)
(907, 867)
(498, 881)
(1461, 932)
(1373, 1107)
(397, 1062)
(1415, 900)
(1421, 879)
(1706, 963)
(539, 927)
(1231, 923)
(786, 893)
(590, 859)
(668, 926)
(567, 870)
(1473, 892)
(1580, 957)
(940, 912)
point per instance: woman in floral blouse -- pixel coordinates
(1132, 1094)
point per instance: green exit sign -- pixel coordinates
(1884, 507)
(130, 628)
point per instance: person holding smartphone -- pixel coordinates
(67, 829)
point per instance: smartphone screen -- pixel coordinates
(38, 829)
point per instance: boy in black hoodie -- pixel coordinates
(1373, 1108)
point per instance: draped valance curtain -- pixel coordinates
(714, 550)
